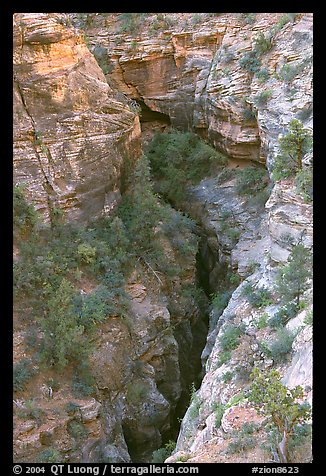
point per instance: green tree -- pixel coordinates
(140, 210)
(63, 335)
(293, 146)
(280, 405)
(292, 279)
(24, 214)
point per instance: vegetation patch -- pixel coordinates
(55, 260)
(293, 278)
(50, 455)
(219, 410)
(257, 297)
(250, 62)
(261, 99)
(160, 455)
(251, 180)
(23, 371)
(24, 215)
(179, 160)
(230, 338)
(280, 347)
(292, 148)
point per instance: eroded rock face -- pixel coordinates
(194, 75)
(70, 132)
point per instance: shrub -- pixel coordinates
(229, 340)
(239, 397)
(224, 357)
(261, 322)
(50, 455)
(180, 159)
(136, 392)
(262, 43)
(133, 45)
(183, 458)
(76, 429)
(129, 22)
(248, 115)
(262, 75)
(22, 373)
(233, 234)
(308, 320)
(220, 300)
(219, 410)
(305, 113)
(72, 408)
(83, 383)
(160, 455)
(275, 321)
(249, 62)
(63, 340)
(304, 183)
(196, 19)
(24, 215)
(249, 18)
(225, 175)
(262, 98)
(31, 411)
(32, 338)
(249, 428)
(282, 345)
(96, 306)
(251, 180)
(300, 435)
(234, 279)
(283, 315)
(86, 253)
(195, 402)
(227, 376)
(102, 58)
(241, 443)
(259, 297)
(289, 71)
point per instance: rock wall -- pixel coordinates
(71, 134)
(192, 74)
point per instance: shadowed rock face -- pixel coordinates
(70, 133)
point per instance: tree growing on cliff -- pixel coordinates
(280, 405)
(293, 278)
(24, 214)
(63, 341)
(293, 146)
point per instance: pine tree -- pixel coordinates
(292, 279)
(280, 405)
(293, 146)
(63, 336)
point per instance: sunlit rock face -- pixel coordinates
(70, 132)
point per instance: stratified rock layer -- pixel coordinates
(70, 132)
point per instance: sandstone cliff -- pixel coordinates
(71, 133)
